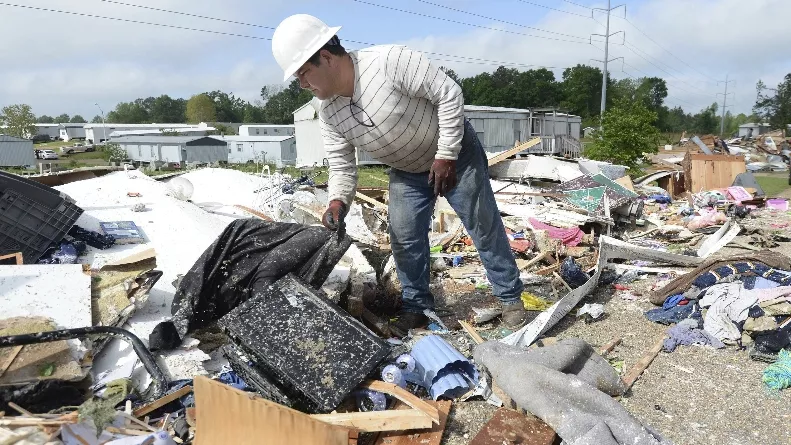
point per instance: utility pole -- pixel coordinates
(606, 36)
(724, 106)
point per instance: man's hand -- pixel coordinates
(333, 216)
(443, 176)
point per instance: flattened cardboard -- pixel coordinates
(227, 415)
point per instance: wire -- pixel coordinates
(82, 14)
(554, 9)
(187, 14)
(628, 46)
(577, 4)
(498, 20)
(470, 24)
(663, 48)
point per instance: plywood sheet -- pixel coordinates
(710, 172)
(227, 415)
(509, 426)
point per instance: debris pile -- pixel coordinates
(181, 311)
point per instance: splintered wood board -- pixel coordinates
(431, 436)
(508, 426)
(710, 172)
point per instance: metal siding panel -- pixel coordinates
(16, 154)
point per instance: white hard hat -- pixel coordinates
(297, 38)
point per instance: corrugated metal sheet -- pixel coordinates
(16, 152)
(442, 369)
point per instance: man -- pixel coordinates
(406, 113)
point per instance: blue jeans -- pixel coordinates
(411, 208)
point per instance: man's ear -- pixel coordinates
(327, 57)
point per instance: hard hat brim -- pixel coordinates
(294, 67)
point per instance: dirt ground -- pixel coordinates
(694, 395)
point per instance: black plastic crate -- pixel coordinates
(33, 216)
(311, 349)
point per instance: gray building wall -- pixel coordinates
(205, 153)
(16, 152)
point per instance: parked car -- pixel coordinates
(46, 154)
(40, 138)
(77, 148)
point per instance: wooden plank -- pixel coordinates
(17, 257)
(557, 275)
(426, 437)
(533, 261)
(643, 364)
(472, 332)
(610, 346)
(405, 396)
(159, 403)
(21, 410)
(369, 200)
(10, 359)
(127, 431)
(374, 421)
(514, 151)
(254, 212)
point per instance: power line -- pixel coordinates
(497, 20)
(628, 46)
(468, 24)
(577, 4)
(633, 48)
(187, 14)
(665, 49)
(82, 14)
(554, 9)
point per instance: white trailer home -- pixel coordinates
(95, 133)
(174, 149)
(44, 131)
(266, 130)
(72, 131)
(278, 150)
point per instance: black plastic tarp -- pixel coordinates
(247, 256)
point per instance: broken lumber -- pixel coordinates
(10, 359)
(642, 364)
(510, 427)
(476, 337)
(159, 403)
(427, 437)
(374, 421)
(514, 151)
(533, 261)
(16, 256)
(369, 200)
(610, 346)
(404, 396)
(254, 212)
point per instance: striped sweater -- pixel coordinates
(405, 113)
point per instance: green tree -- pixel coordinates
(452, 74)
(774, 108)
(129, 113)
(581, 88)
(228, 107)
(44, 119)
(509, 87)
(62, 119)
(253, 113)
(280, 105)
(223, 130)
(96, 119)
(200, 108)
(77, 119)
(628, 133)
(707, 122)
(675, 120)
(165, 109)
(19, 120)
(115, 153)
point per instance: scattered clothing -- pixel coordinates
(672, 315)
(776, 307)
(570, 387)
(672, 301)
(761, 324)
(727, 305)
(770, 343)
(65, 253)
(777, 376)
(572, 273)
(688, 332)
(570, 237)
(681, 284)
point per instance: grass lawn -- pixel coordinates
(88, 155)
(774, 184)
(53, 145)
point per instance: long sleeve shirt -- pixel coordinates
(405, 113)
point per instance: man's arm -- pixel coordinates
(343, 164)
(414, 75)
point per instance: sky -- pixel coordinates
(69, 61)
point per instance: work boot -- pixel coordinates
(406, 321)
(514, 315)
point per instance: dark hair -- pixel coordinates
(334, 47)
